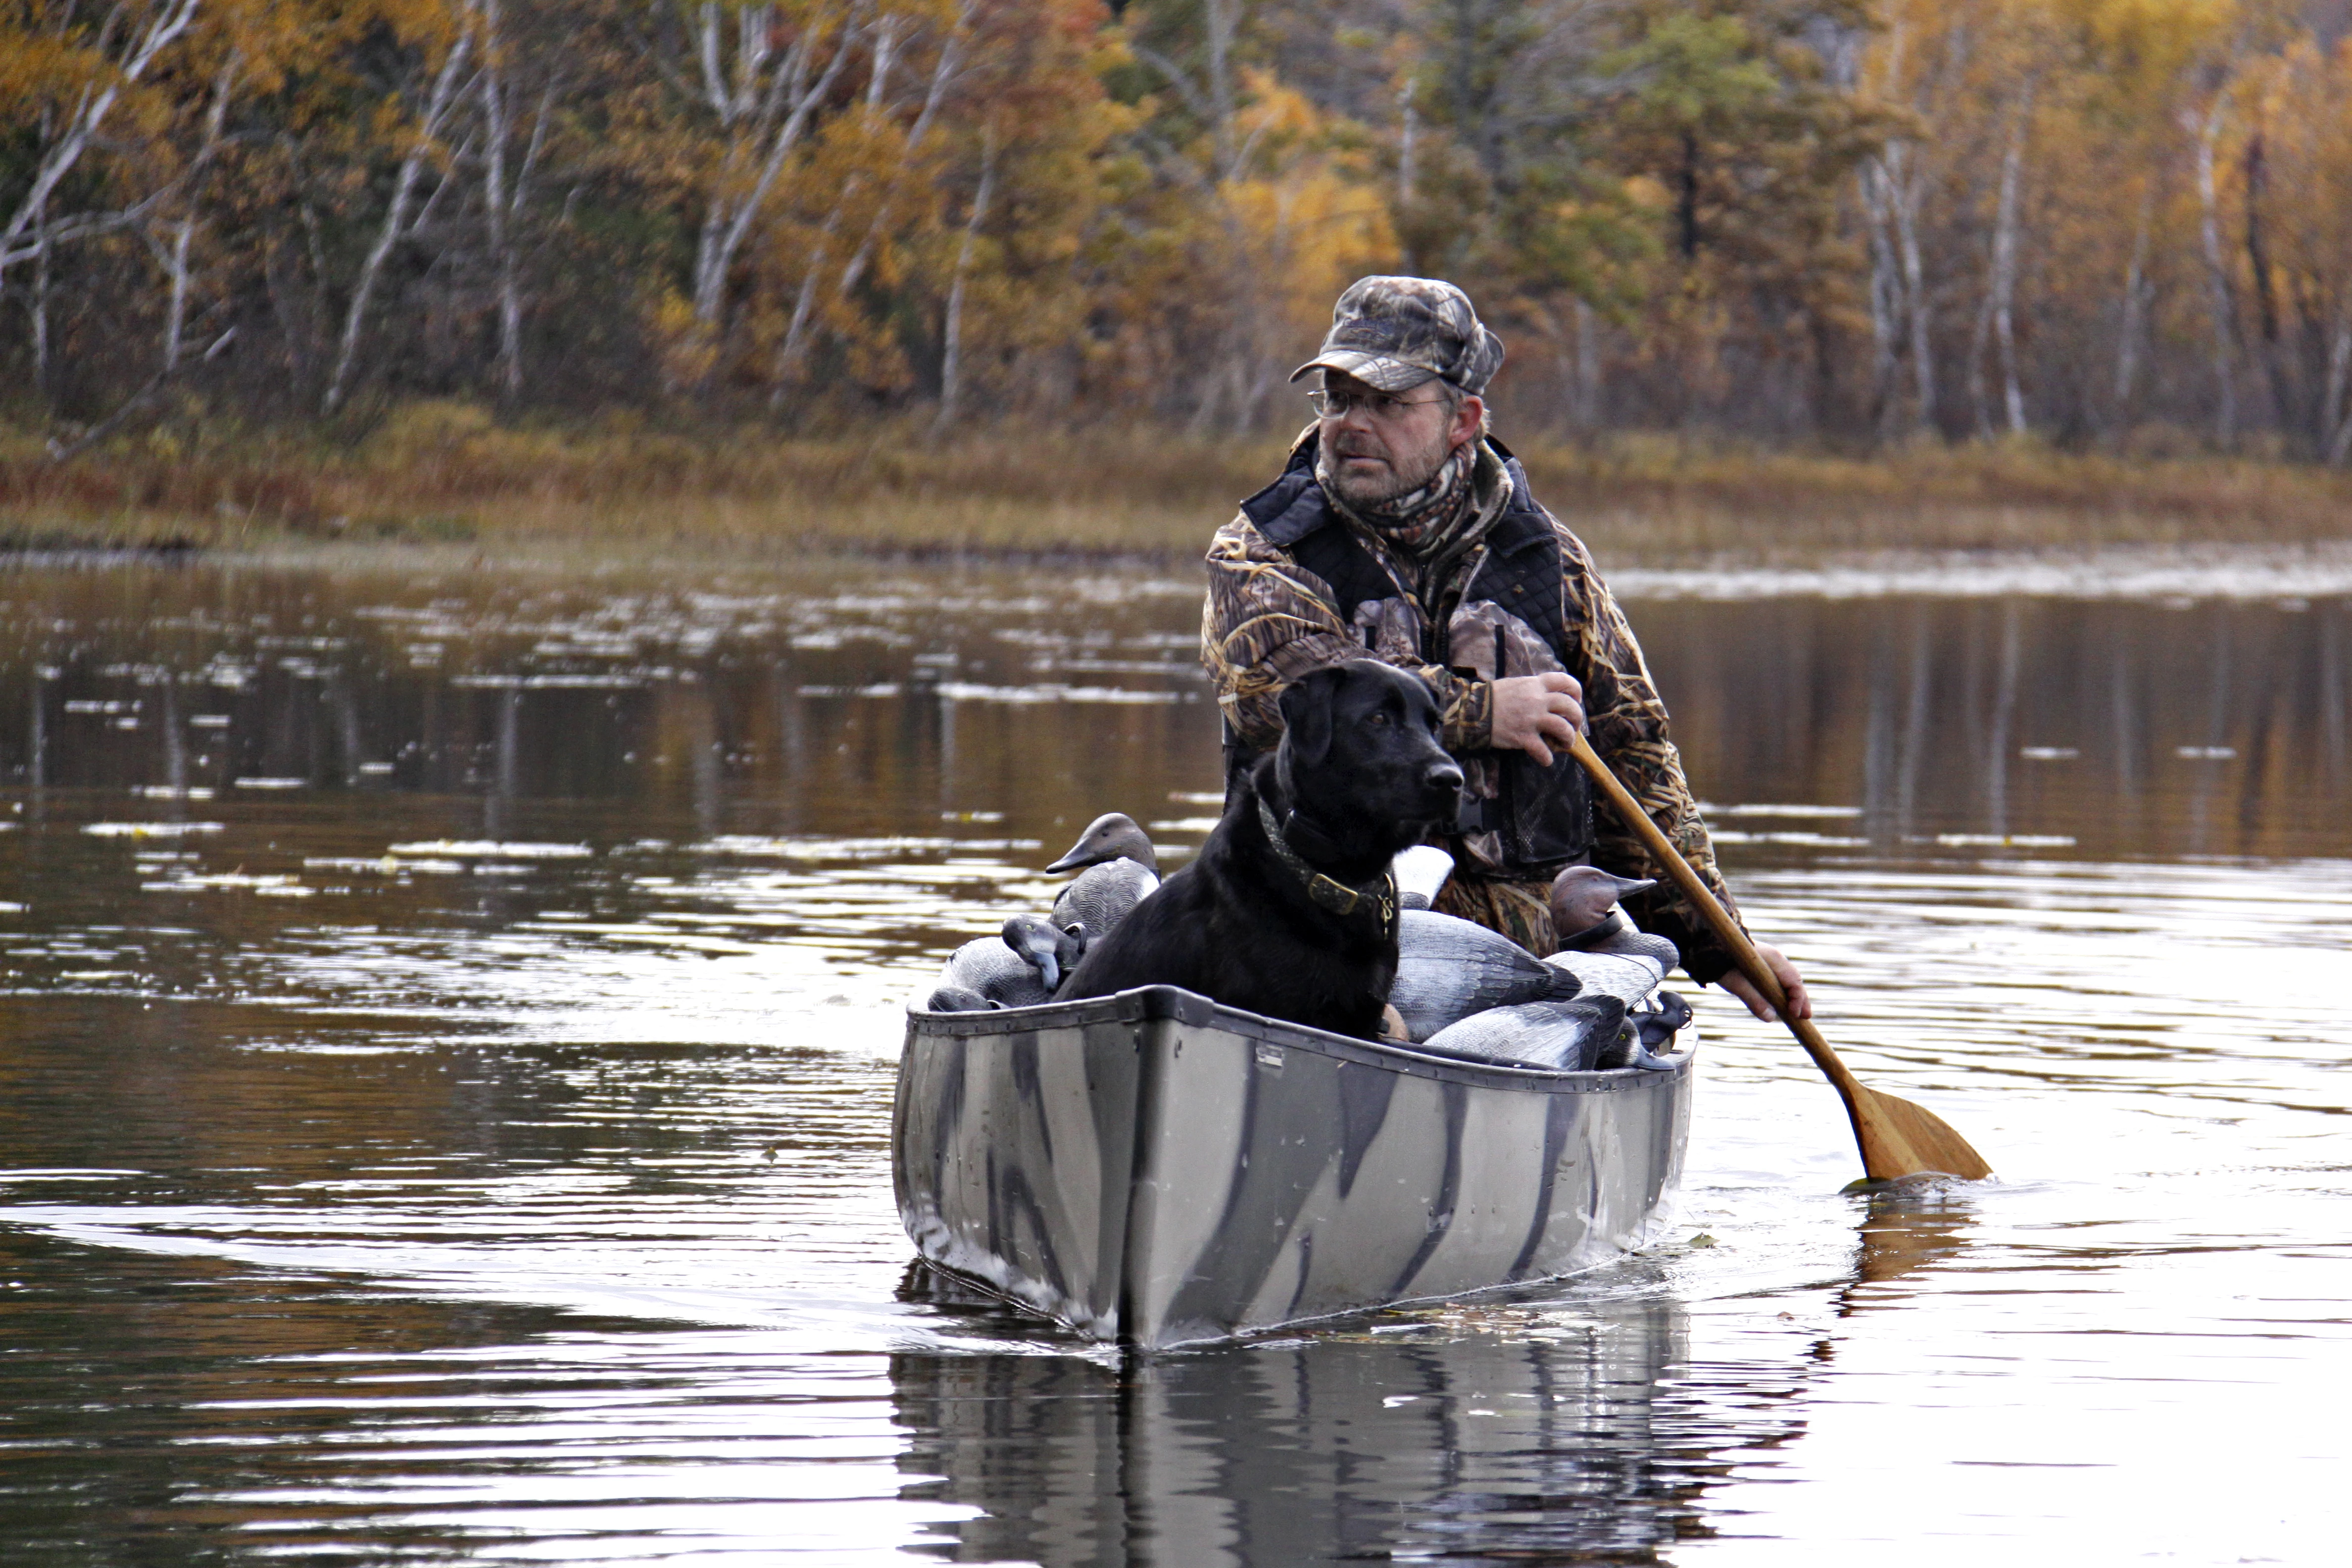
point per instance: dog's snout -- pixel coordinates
(1445, 774)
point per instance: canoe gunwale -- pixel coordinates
(1154, 1003)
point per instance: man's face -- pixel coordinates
(1384, 446)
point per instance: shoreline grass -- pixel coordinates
(447, 475)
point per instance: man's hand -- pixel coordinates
(1799, 1004)
(1537, 714)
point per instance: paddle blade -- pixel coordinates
(1900, 1139)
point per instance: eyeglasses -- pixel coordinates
(1379, 405)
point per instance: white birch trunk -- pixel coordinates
(38, 307)
(1907, 191)
(943, 73)
(1408, 130)
(765, 121)
(1885, 290)
(1893, 250)
(1978, 403)
(796, 331)
(2338, 417)
(951, 348)
(2134, 312)
(175, 309)
(2004, 264)
(2222, 302)
(1222, 18)
(877, 80)
(396, 217)
(175, 317)
(498, 208)
(1587, 365)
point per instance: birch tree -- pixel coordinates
(83, 59)
(763, 72)
(445, 91)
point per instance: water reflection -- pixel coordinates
(2112, 728)
(1486, 1433)
(1904, 1233)
(2100, 728)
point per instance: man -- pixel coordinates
(1401, 528)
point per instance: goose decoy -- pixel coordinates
(1630, 969)
(1420, 872)
(986, 967)
(1448, 969)
(1622, 940)
(1559, 1035)
(1584, 901)
(1117, 869)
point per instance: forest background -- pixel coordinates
(1035, 271)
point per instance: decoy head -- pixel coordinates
(1050, 950)
(1582, 896)
(1110, 837)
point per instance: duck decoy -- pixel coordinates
(1584, 899)
(1448, 969)
(1629, 970)
(1021, 966)
(1117, 869)
(987, 968)
(1566, 1034)
(1652, 1034)
(957, 999)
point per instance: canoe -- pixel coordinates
(1154, 1169)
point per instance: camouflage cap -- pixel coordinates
(1391, 333)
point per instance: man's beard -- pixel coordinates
(1428, 521)
(1404, 474)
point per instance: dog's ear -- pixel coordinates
(1306, 713)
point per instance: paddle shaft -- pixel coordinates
(1749, 961)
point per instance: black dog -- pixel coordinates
(1289, 909)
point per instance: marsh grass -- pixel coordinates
(440, 474)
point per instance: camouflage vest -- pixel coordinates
(1543, 817)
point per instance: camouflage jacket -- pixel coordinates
(1269, 619)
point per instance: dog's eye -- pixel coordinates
(1379, 719)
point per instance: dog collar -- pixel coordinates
(1330, 892)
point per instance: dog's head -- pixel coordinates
(1360, 741)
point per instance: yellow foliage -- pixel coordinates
(1308, 222)
(2139, 212)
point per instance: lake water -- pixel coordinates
(448, 1021)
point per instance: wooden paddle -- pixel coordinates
(1896, 1137)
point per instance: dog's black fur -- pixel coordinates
(1359, 774)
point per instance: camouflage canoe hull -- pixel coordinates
(1155, 1169)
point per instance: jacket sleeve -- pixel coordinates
(1627, 722)
(1268, 620)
